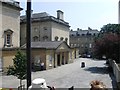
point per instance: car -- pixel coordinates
(88, 56)
(84, 55)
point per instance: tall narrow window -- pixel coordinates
(8, 38)
(66, 40)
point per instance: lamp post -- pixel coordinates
(28, 42)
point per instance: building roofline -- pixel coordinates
(47, 18)
(14, 5)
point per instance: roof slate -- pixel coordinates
(43, 17)
(46, 44)
(36, 15)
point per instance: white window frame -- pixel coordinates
(8, 38)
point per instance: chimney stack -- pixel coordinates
(60, 14)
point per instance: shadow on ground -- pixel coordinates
(113, 81)
(99, 70)
(104, 70)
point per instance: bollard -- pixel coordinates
(38, 83)
(82, 64)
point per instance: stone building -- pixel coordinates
(50, 39)
(46, 28)
(83, 39)
(51, 53)
(9, 31)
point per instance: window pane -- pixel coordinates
(8, 39)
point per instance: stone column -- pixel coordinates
(55, 60)
(68, 56)
(65, 57)
(60, 58)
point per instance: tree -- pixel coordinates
(108, 42)
(110, 28)
(19, 68)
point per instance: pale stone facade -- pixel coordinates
(51, 53)
(46, 28)
(9, 31)
(83, 39)
(10, 25)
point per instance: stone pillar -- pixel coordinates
(68, 57)
(55, 60)
(60, 58)
(64, 57)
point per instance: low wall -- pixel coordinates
(116, 70)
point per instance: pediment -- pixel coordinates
(8, 31)
(64, 47)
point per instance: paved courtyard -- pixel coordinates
(69, 75)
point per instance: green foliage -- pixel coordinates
(19, 68)
(108, 42)
(110, 28)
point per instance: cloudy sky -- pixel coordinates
(79, 13)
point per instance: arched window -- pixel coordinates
(8, 38)
(56, 38)
(45, 38)
(66, 40)
(35, 38)
(61, 39)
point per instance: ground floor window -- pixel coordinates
(50, 60)
(37, 61)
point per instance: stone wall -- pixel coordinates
(116, 71)
(10, 20)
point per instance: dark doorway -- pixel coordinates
(62, 58)
(75, 53)
(58, 59)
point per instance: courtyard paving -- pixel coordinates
(69, 75)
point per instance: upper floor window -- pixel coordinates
(35, 38)
(8, 38)
(90, 45)
(66, 40)
(88, 34)
(35, 29)
(82, 46)
(83, 34)
(61, 39)
(94, 34)
(45, 38)
(72, 34)
(45, 28)
(71, 45)
(77, 34)
(56, 38)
